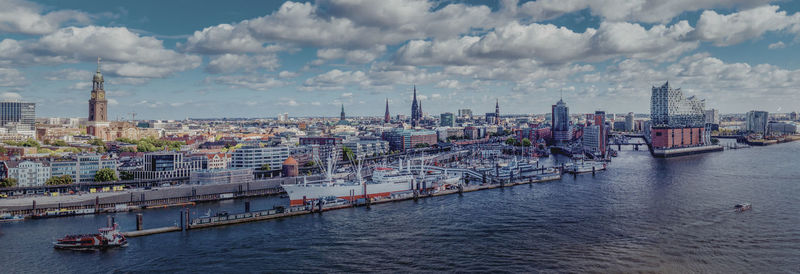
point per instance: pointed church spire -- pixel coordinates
(386, 117)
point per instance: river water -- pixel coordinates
(643, 214)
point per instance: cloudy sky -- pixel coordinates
(178, 59)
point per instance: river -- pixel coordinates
(643, 214)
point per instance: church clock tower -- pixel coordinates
(98, 104)
(98, 108)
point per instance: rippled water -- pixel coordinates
(643, 214)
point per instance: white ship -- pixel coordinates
(385, 181)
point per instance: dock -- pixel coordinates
(280, 212)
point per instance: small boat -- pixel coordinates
(7, 218)
(106, 237)
(743, 207)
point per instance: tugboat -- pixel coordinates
(743, 207)
(106, 238)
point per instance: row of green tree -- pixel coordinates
(151, 144)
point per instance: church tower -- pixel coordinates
(386, 117)
(98, 104)
(98, 108)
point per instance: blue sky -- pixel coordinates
(178, 59)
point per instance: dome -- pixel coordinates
(98, 77)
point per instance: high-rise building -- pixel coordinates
(793, 116)
(712, 116)
(18, 117)
(668, 107)
(592, 139)
(560, 121)
(676, 122)
(757, 121)
(600, 121)
(446, 119)
(386, 117)
(629, 121)
(98, 106)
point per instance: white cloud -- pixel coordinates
(734, 28)
(70, 74)
(125, 53)
(254, 82)
(228, 63)
(11, 78)
(777, 45)
(335, 79)
(287, 74)
(648, 11)
(19, 16)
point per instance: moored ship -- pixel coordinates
(584, 167)
(385, 182)
(106, 237)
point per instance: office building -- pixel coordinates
(29, 173)
(712, 116)
(629, 122)
(561, 128)
(403, 139)
(166, 165)
(221, 176)
(368, 147)
(82, 168)
(756, 122)
(446, 119)
(600, 121)
(18, 118)
(592, 139)
(256, 157)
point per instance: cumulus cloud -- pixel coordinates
(648, 11)
(777, 45)
(125, 53)
(702, 74)
(254, 82)
(734, 28)
(228, 63)
(19, 16)
(11, 78)
(334, 79)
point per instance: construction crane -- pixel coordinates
(133, 115)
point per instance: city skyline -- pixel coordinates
(230, 61)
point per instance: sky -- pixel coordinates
(211, 59)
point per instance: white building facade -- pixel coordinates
(29, 174)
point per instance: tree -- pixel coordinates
(526, 142)
(59, 180)
(348, 154)
(59, 143)
(309, 164)
(124, 175)
(105, 175)
(265, 167)
(714, 141)
(8, 182)
(97, 142)
(422, 145)
(511, 141)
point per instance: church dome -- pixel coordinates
(98, 77)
